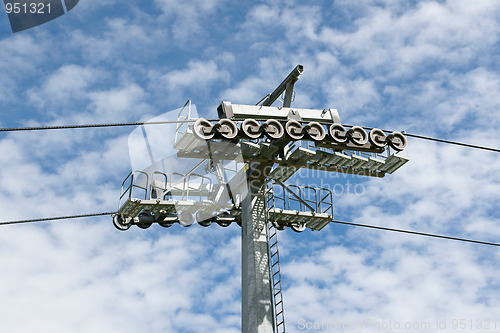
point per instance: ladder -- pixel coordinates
(276, 289)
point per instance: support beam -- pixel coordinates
(257, 312)
(285, 86)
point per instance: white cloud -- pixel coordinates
(13, 65)
(197, 74)
(198, 77)
(401, 43)
(63, 87)
(138, 39)
(188, 19)
(127, 102)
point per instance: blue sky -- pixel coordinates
(427, 67)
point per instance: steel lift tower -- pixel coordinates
(243, 160)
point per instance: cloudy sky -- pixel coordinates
(427, 67)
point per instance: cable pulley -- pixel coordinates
(397, 141)
(185, 219)
(294, 129)
(273, 129)
(224, 224)
(204, 218)
(146, 220)
(226, 128)
(357, 135)
(279, 226)
(203, 129)
(166, 224)
(326, 135)
(298, 227)
(315, 131)
(377, 138)
(251, 128)
(119, 223)
(338, 133)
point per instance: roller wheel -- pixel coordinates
(145, 224)
(294, 129)
(185, 219)
(298, 227)
(119, 223)
(224, 223)
(315, 131)
(358, 135)
(227, 129)
(204, 218)
(377, 137)
(338, 133)
(279, 226)
(273, 129)
(251, 128)
(166, 224)
(203, 129)
(397, 141)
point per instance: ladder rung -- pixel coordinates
(274, 261)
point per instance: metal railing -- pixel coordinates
(132, 178)
(163, 186)
(299, 198)
(182, 127)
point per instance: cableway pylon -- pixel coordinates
(238, 170)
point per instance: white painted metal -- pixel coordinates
(240, 112)
(256, 296)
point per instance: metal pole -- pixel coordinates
(285, 86)
(257, 313)
(256, 297)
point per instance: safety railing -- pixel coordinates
(183, 126)
(136, 180)
(299, 198)
(163, 186)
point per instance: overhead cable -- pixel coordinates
(59, 127)
(423, 137)
(452, 142)
(415, 233)
(47, 219)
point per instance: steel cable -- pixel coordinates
(56, 218)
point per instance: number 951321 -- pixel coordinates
(25, 8)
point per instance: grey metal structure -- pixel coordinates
(245, 159)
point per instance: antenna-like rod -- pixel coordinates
(287, 86)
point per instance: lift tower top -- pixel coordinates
(240, 167)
